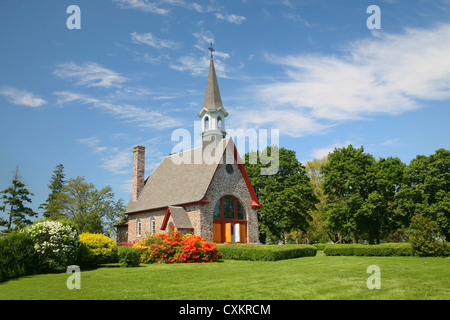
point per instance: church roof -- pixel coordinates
(212, 101)
(176, 184)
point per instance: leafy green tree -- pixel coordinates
(286, 196)
(52, 208)
(426, 190)
(90, 209)
(15, 198)
(362, 193)
(348, 181)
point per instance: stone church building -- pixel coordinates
(205, 191)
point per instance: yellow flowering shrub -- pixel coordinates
(96, 248)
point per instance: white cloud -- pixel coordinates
(21, 97)
(142, 117)
(231, 18)
(119, 162)
(151, 40)
(89, 74)
(383, 74)
(143, 5)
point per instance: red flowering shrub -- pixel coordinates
(195, 249)
(189, 249)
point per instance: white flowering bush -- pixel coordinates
(56, 243)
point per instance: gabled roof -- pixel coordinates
(175, 184)
(180, 218)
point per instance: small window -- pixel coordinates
(138, 227)
(152, 226)
(229, 168)
(206, 123)
(219, 123)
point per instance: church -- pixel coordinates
(211, 197)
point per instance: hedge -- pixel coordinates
(385, 249)
(18, 256)
(96, 249)
(266, 252)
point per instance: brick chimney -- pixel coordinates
(138, 171)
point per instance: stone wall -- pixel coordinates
(233, 184)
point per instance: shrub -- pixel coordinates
(195, 249)
(385, 249)
(128, 256)
(18, 256)
(189, 249)
(267, 252)
(56, 243)
(424, 237)
(96, 249)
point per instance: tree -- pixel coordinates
(286, 197)
(426, 190)
(15, 197)
(362, 193)
(91, 210)
(52, 208)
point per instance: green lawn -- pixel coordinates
(319, 277)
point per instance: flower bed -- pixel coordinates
(188, 249)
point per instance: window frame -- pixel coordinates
(236, 218)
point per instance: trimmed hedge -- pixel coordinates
(266, 252)
(385, 249)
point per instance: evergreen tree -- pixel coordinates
(52, 208)
(14, 199)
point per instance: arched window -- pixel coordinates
(138, 227)
(229, 208)
(152, 226)
(219, 123)
(206, 123)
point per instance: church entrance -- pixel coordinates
(230, 224)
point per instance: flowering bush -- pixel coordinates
(195, 249)
(189, 249)
(96, 248)
(56, 243)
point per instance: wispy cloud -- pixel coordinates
(383, 74)
(142, 117)
(151, 40)
(21, 97)
(93, 143)
(232, 18)
(118, 162)
(89, 74)
(143, 5)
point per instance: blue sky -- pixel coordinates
(136, 71)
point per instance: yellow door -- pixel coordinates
(217, 230)
(227, 232)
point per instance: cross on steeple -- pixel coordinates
(211, 49)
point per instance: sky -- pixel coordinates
(135, 71)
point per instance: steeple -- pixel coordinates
(213, 113)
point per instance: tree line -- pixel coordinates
(349, 196)
(74, 200)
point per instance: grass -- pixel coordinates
(320, 277)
